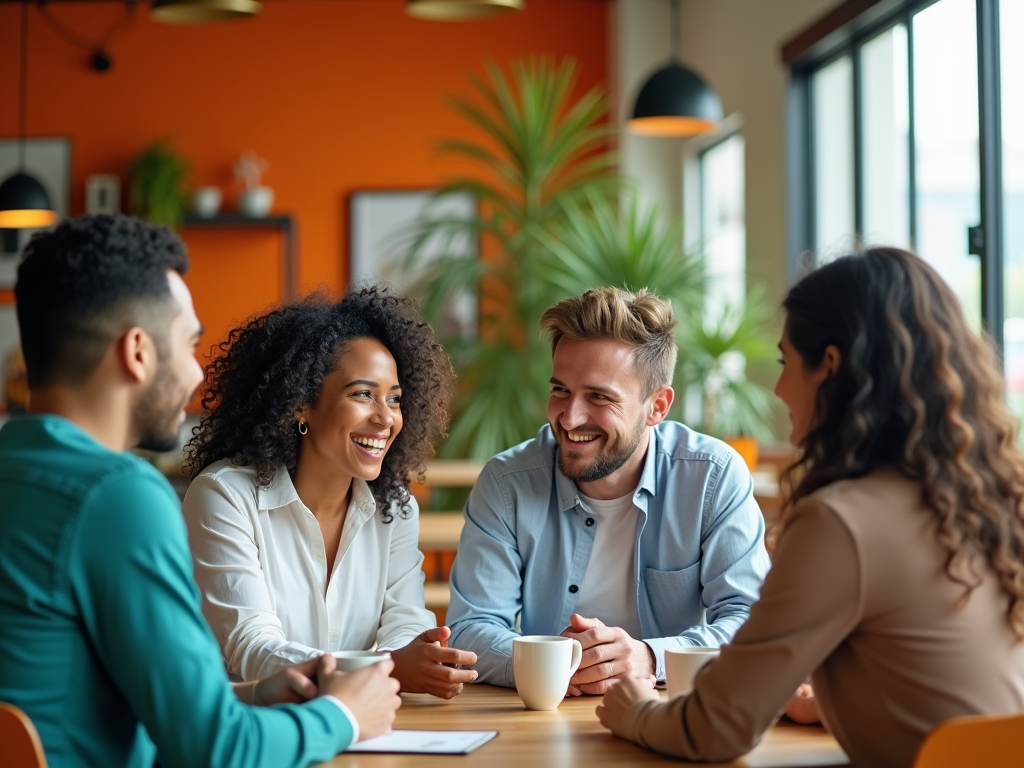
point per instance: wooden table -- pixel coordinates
(568, 736)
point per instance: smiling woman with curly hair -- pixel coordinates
(898, 578)
(303, 532)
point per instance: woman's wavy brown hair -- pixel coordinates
(274, 364)
(919, 391)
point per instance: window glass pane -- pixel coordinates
(832, 99)
(1011, 27)
(886, 114)
(946, 144)
(723, 230)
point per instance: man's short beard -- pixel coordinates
(155, 416)
(607, 461)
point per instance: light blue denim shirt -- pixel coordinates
(700, 556)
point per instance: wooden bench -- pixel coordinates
(440, 531)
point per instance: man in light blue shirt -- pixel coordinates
(631, 533)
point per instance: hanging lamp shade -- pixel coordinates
(675, 101)
(203, 11)
(459, 10)
(24, 203)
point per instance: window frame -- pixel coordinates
(844, 31)
(700, 151)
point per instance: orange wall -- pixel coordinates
(337, 95)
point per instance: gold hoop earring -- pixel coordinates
(303, 428)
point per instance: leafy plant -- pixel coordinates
(553, 222)
(249, 169)
(540, 150)
(608, 241)
(715, 350)
(157, 190)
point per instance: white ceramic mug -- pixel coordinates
(682, 665)
(349, 661)
(542, 666)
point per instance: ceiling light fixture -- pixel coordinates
(675, 101)
(23, 200)
(203, 11)
(460, 10)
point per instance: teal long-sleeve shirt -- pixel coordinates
(102, 639)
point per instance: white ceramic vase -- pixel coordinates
(206, 201)
(256, 201)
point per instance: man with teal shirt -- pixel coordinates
(102, 640)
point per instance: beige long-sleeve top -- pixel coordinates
(857, 595)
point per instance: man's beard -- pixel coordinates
(606, 462)
(155, 417)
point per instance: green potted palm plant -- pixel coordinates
(554, 221)
(157, 191)
(538, 150)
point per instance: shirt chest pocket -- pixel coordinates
(675, 598)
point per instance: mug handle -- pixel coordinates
(577, 656)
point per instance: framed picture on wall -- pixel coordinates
(49, 161)
(380, 223)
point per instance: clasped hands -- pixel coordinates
(609, 655)
(424, 666)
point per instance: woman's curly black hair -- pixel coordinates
(273, 365)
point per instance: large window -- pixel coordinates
(909, 131)
(723, 233)
(1011, 17)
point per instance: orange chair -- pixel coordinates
(22, 747)
(992, 741)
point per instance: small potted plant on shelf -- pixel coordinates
(254, 200)
(157, 191)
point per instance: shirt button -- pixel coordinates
(573, 589)
(590, 521)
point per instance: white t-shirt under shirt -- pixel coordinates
(609, 587)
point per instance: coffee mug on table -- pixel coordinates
(349, 661)
(682, 665)
(542, 666)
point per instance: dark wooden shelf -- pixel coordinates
(286, 223)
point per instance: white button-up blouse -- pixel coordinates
(261, 566)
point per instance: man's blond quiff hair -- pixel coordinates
(643, 320)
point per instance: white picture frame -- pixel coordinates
(379, 224)
(103, 193)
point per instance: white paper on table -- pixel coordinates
(425, 742)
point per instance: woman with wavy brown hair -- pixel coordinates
(898, 577)
(304, 535)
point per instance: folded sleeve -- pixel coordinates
(131, 577)
(236, 600)
(810, 602)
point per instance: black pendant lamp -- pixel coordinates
(675, 101)
(23, 201)
(203, 11)
(460, 10)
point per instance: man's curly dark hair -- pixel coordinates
(84, 283)
(273, 365)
